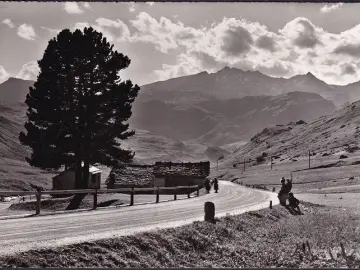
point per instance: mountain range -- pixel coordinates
(224, 107)
(204, 116)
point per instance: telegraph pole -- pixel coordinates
(244, 164)
(271, 163)
(309, 159)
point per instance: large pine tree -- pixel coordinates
(78, 108)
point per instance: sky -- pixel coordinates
(167, 40)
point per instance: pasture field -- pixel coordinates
(325, 172)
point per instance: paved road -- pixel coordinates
(46, 231)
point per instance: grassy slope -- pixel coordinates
(17, 174)
(331, 134)
(264, 238)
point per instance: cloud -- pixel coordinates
(132, 7)
(26, 31)
(29, 71)
(3, 74)
(72, 8)
(87, 6)
(330, 8)
(8, 22)
(112, 30)
(150, 3)
(302, 33)
(54, 31)
(348, 69)
(237, 41)
(348, 49)
(266, 43)
(164, 34)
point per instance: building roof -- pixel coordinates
(133, 175)
(92, 169)
(199, 169)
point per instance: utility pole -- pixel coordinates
(309, 159)
(244, 164)
(271, 163)
(217, 165)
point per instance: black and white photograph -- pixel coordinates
(179, 134)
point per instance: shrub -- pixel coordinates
(343, 156)
(260, 159)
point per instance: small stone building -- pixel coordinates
(168, 174)
(66, 179)
(131, 175)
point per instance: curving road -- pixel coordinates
(68, 228)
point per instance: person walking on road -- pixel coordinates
(207, 184)
(216, 185)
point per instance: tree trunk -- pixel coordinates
(78, 175)
(86, 173)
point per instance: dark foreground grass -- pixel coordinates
(265, 238)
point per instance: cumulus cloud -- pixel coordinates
(132, 7)
(8, 22)
(348, 49)
(330, 8)
(112, 30)
(164, 34)
(302, 33)
(29, 71)
(26, 31)
(3, 74)
(150, 3)
(348, 69)
(237, 41)
(72, 8)
(266, 43)
(87, 5)
(54, 31)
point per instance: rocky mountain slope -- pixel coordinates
(235, 83)
(14, 90)
(219, 122)
(336, 133)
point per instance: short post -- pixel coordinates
(189, 192)
(157, 195)
(95, 198)
(38, 201)
(270, 204)
(175, 194)
(209, 209)
(198, 191)
(273, 189)
(132, 196)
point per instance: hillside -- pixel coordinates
(17, 174)
(14, 90)
(334, 134)
(219, 122)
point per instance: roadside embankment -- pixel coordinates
(264, 238)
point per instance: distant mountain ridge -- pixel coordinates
(14, 90)
(215, 109)
(230, 83)
(219, 122)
